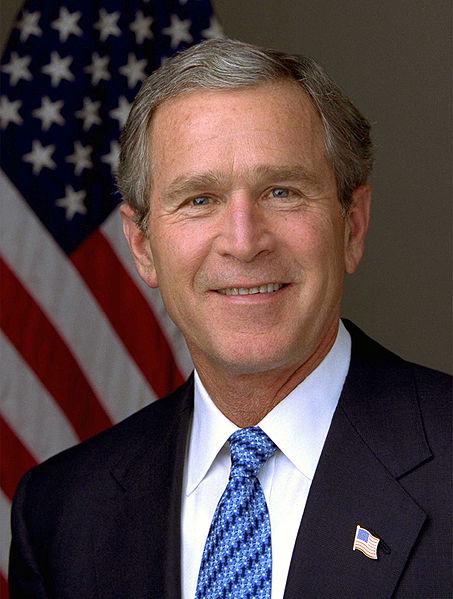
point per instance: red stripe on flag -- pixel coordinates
(4, 593)
(128, 312)
(46, 353)
(16, 459)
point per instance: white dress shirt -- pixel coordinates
(298, 425)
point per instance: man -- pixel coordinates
(244, 174)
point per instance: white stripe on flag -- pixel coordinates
(43, 268)
(29, 410)
(112, 229)
(5, 532)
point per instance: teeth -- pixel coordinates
(269, 288)
(251, 291)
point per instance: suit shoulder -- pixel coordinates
(435, 392)
(395, 386)
(432, 381)
(380, 358)
(104, 450)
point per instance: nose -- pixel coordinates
(245, 233)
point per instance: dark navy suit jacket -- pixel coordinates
(102, 520)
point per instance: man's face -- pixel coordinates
(246, 237)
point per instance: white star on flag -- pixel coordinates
(72, 202)
(98, 68)
(40, 157)
(178, 30)
(49, 113)
(9, 112)
(113, 156)
(121, 112)
(58, 69)
(17, 68)
(89, 113)
(214, 30)
(80, 158)
(28, 25)
(141, 26)
(107, 24)
(134, 70)
(66, 24)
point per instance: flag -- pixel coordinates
(365, 542)
(83, 342)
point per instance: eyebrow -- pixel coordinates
(262, 174)
(187, 184)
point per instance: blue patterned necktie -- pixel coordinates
(237, 557)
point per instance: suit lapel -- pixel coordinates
(351, 487)
(137, 546)
(375, 438)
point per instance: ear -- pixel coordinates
(357, 221)
(139, 246)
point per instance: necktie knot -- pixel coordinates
(250, 448)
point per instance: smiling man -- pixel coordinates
(302, 459)
(247, 239)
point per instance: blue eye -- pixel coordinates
(200, 201)
(280, 193)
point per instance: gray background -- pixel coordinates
(393, 58)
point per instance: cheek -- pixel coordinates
(331, 239)
(177, 259)
(316, 240)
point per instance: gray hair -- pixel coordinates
(223, 64)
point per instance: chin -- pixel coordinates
(253, 359)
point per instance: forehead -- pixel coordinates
(234, 129)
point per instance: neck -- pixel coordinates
(245, 399)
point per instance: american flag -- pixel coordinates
(365, 542)
(83, 343)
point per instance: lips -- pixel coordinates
(265, 288)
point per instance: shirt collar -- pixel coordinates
(298, 425)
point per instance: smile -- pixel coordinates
(267, 288)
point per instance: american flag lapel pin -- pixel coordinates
(365, 542)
